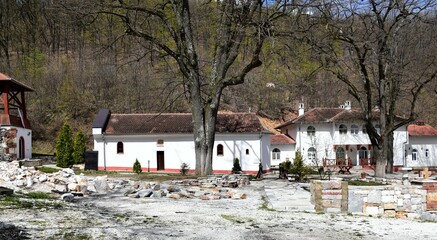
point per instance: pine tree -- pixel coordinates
(236, 168)
(64, 147)
(79, 147)
(137, 167)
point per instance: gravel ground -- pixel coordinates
(263, 215)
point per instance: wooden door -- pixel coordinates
(160, 160)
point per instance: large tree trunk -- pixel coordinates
(390, 153)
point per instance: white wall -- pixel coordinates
(27, 136)
(179, 148)
(421, 144)
(287, 153)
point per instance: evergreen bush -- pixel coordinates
(137, 167)
(64, 147)
(236, 168)
(299, 168)
(79, 147)
(184, 168)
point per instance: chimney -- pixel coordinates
(301, 109)
(347, 105)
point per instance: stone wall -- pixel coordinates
(389, 201)
(329, 196)
(394, 200)
(431, 195)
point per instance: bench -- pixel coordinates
(343, 165)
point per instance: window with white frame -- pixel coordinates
(312, 154)
(276, 154)
(414, 155)
(354, 129)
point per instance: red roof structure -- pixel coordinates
(281, 139)
(331, 115)
(162, 123)
(13, 102)
(420, 129)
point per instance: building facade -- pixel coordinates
(162, 142)
(339, 133)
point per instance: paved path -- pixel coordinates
(283, 195)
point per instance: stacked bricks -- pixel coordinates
(329, 196)
(390, 201)
(431, 195)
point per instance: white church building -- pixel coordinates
(339, 133)
(162, 142)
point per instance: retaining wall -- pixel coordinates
(388, 200)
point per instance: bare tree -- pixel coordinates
(368, 46)
(209, 58)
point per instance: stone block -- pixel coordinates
(331, 184)
(400, 202)
(355, 203)
(401, 214)
(374, 197)
(431, 197)
(371, 210)
(333, 210)
(388, 206)
(387, 199)
(389, 213)
(387, 192)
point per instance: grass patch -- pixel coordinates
(264, 205)
(36, 200)
(144, 176)
(233, 218)
(48, 169)
(364, 183)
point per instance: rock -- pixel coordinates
(145, 193)
(208, 185)
(19, 183)
(156, 187)
(61, 187)
(204, 197)
(42, 178)
(81, 180)
(29, 182)
(101, 184)
(68, 197)
(72, 187)
(130, 191)
(68, 171)
(158, 194)
(174, 195)
(173, 188)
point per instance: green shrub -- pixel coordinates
(184, 168)
(137, 167)
(236, 168)
(79, 147)
(299, 168)
(64, 147)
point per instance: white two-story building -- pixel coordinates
(339, 133)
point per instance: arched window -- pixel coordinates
(247, 151)
(311, 131)
(414, 155)
(120, 147)
(276, 154)
(312, 154)
(427, 153)
(354, 129)
(343, 129)
(364, 129)
(220, 150)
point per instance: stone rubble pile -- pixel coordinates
(70, 185)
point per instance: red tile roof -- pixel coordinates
(152, 123)
(421, 130)
(281, 139)
(334, 115)
(4, 79)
